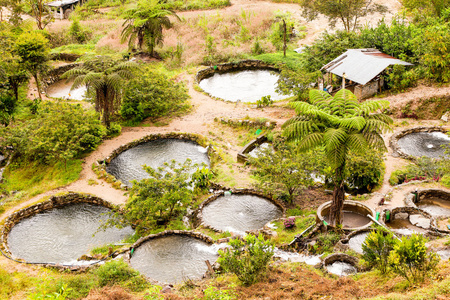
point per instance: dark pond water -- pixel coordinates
(352, 219)
(341, 268)
(424, 144)
(246, 86)
(356, 241)
(435, 206)
(173, 259)
(404, 227)
(62, 235)
(61, 89)
(238, 213)
(128, 164)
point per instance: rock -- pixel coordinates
(445, 116)
(402, 216)
(167, 289)
(420, 221)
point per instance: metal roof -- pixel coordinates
(60, 3)
(361, 65)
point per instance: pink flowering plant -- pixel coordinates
(289, 223)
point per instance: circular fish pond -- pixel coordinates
(173, 258)
(435, 202)
(428, 144)
(409, 220)
(127, 165)
(61, 89)
(341, 264)
(246, 86)
(61, 235)
(355, 214)
(238, 213)
(355, 242)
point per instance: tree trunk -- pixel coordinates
(337, 205)
(35, 76)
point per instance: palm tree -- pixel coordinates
(105, 76)
(341, 125)
(145, 24)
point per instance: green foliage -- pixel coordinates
(113, 130)
(152, 94)
(411, 260)
(257, 48)
(8, 105)
(428, 7)
(424, 168)
(59, 131)
(399, 78)
(325, 242)
(364, 171)
(264, 101)
(119, 272)
(77, 32)
(196, 4)
(277, 30)
(284, 173)
(212, 293)
(445, 181)
(160, 198)
(376, 249)
(202, 178)
(247, 258)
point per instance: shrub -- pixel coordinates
(202, 178)
(247, 258)
(152, 94)
(289, 223)
(376, 249)
(411, 260)
(212, 293)
(264, 101)
(364, 172)
(119, 272)
(325, 242)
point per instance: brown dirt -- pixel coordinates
(110, 293)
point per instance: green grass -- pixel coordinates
(79, 49)
(292, 59)
(28, 179)
(287, 235)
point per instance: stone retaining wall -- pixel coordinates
(355, 207)
(193, 234)
(199, 211)
(247, 123)
(393, 141)
(249, 64)
(52, 202)
(54, 75)
(64, 56)
(341, 257)
(242, 154)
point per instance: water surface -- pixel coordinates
(173, 259)
(62, 235)
(356, 241)
(404, 227)
(352, 219)
(61, 89)
(436, 207)
(341, 268)
(238, 213)
(246, 86)
(127, 165)
(428, 144)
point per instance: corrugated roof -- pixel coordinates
(60, 3)
(361, 65)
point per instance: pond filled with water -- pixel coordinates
(246, 86)
(62, 235)
(127, 165)
(258, 151)
(424, 144)
(61, 89)
(173, 259)
(404, 227)
(238, 213)
(356, 241)
(352, 219)
(341, 268)
(435, 206)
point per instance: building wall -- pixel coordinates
(369, 89)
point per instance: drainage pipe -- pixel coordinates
(300, 235)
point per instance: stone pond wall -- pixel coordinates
(199, 212)
(341, 257)
(242, 154)
(393, 141)
(350, 205)
(193, 234)
(249, 64)
(55, 74)
(53, 202)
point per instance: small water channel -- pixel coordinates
(127, 165)
(173, 259)
(62, 235)
(238, 213)
(61, 89)
(246, 86)
(258, 151)
(356, 241)
(424, 144)
(436, 207)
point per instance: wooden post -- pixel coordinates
(210, 268)
(284, 38)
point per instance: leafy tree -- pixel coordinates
(377, 247)
(411, 260)
(14, 8)
(32, 49)
(347, 11)
(161, 197)
(106, 77)
(364, 171)
(152, 94)
(59, 131)
(341, 125)
(145, 23)
(247, 258)
(8, 106)
(432, 7)
(283, 172)
(40, 12)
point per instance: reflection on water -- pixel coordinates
(352, 219)
(355, 242)
(424, 144)
(61, 89)
(238, 213)
(62, 234)
(404, 227)
(341, 268)
(246, 86)
(436, 207)
(128, 164)
(173, 259)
